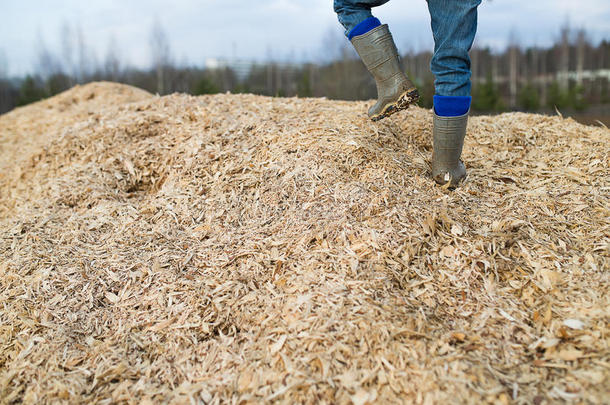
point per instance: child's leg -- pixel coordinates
(375, 45)
(353, 12)
(454, 24)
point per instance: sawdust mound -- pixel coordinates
(237, 248)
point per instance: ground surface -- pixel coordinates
(236, 248)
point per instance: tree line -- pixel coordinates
(572, 74)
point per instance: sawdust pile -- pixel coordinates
(238, 248)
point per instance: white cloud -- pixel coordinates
(220, 28)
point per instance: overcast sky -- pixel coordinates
(200, 29)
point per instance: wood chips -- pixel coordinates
(245, 249)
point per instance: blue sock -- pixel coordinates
(364, 27)
(451, 106)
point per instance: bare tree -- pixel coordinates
(46, 63)
(86, 58)
(6, 101)
(67, 48)
(474, 62)
(112, 63)
(513, 66)
(3, 65)
(581, 42)
(564, 56)
(161, 54)
(335, 46)
(270, 66)
(543, 74)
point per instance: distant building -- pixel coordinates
(242, 68)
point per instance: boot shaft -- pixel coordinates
(449, 134)
(378, 52)
(394, 90)
(448, 142)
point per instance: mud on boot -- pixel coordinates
(395, 91)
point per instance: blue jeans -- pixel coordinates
(454, 25)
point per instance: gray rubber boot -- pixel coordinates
(449, 133)
(394, 90)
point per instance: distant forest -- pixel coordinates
(573, 75)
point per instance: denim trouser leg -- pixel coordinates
(454, 25)
(353, 12)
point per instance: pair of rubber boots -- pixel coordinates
(395, 92)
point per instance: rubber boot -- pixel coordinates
(394, 90)
(448, 140)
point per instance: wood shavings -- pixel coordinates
(243, 249)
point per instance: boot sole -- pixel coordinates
(404, 101)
